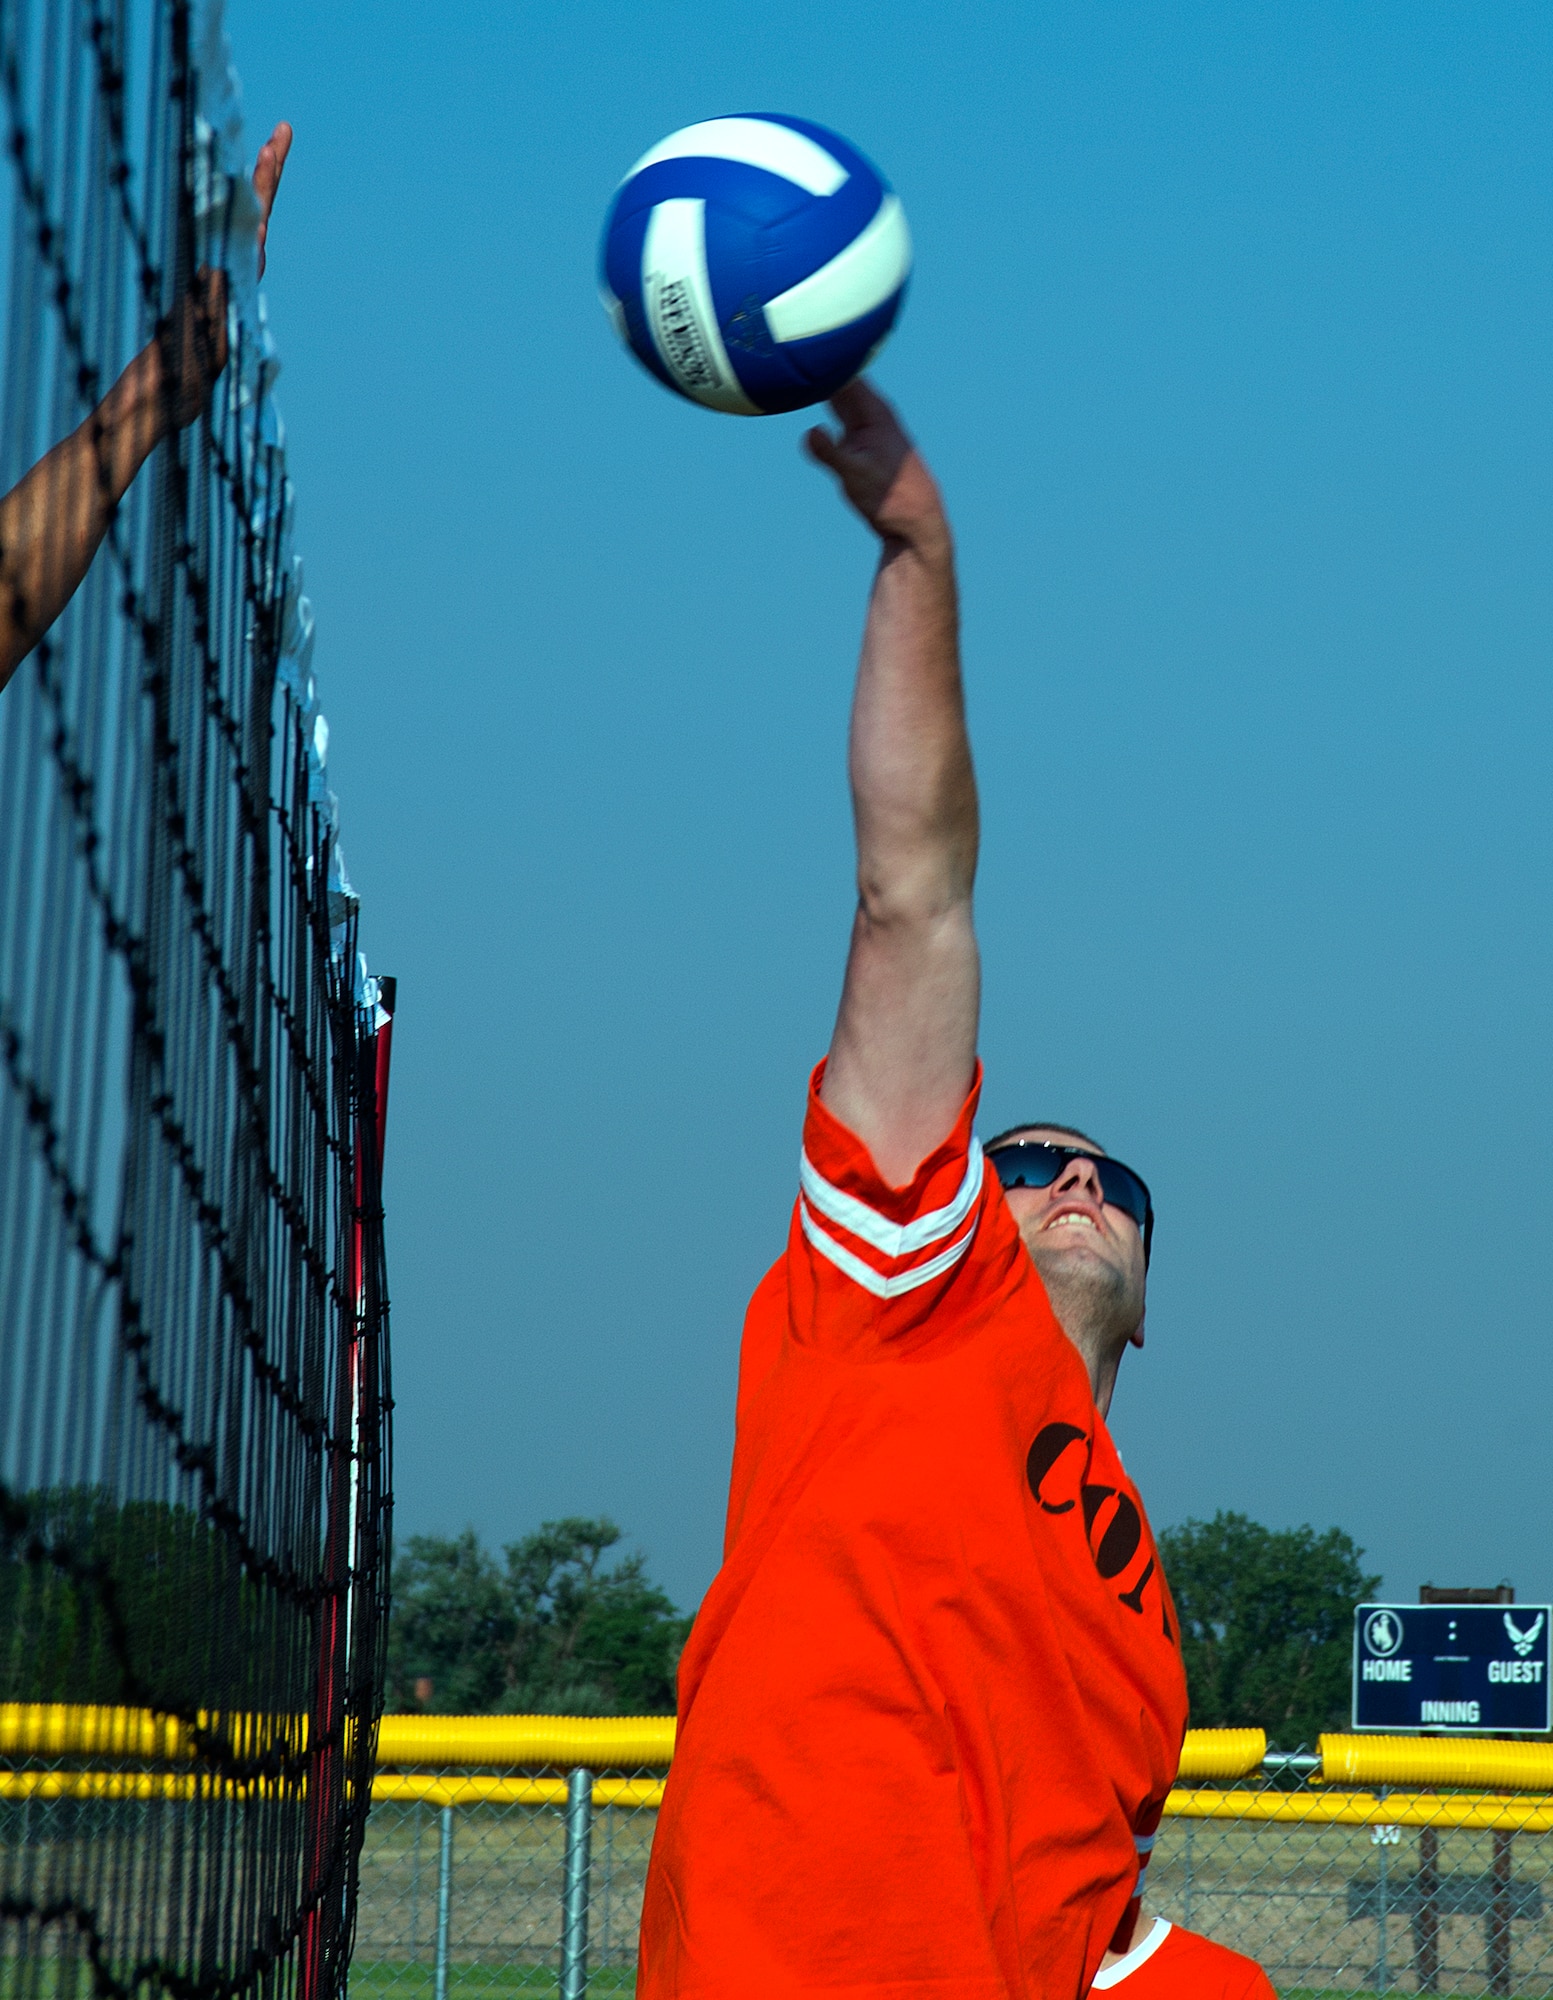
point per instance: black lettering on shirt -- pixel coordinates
(1049, 1446)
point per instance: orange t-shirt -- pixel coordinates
(1173, 1964)
(933, 1701)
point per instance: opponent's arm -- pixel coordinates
(904, 1048)
(53, 520)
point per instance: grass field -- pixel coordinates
(389, 1981)
(386, 1980)
(1302, 1900)
(1287, 1896)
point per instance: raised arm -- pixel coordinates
(53, 520)
(904, 1049)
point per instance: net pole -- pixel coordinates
(368, 1201)
(325, 1940)
(326, 1725)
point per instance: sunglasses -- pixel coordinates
(1033, 1163)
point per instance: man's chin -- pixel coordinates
(1070, 1259)
(1084, 1285)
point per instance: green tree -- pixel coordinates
(451, 1623)
(1266, 1623)
(551, 1630)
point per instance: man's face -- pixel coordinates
(1082, 1246)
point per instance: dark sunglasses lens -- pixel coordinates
(1033, 1165)
(1027, 1166)
(1122, 1189)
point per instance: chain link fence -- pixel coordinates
(488, 1886)
(498, 1864)
(537, 1891)
(1417, 1904)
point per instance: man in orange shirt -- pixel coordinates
(933, 1702)
(1168, 1963)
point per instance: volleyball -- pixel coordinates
(754, 264)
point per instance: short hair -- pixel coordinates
(1041, 1125)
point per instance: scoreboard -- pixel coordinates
(1461, 1669)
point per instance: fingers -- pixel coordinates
(268, 168)
(858, 404)
(209, 294)
(191, 346)
(821, 446)
(270, 165)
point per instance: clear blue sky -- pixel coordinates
(1229, 339)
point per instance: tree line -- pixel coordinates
(564, 1622)
(560, 1624)
(549, 1628)
(1266, 1623)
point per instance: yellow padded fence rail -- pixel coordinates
(62, 1729)
(16, 1785)
(609, 1743)
(1222, 1753)
(58, 1729)
(440, 1744)
(1480, 1811)
(602, 1743)
(433, 1788)
(403, 1788)
(1440, 1809)
(1436, 1760)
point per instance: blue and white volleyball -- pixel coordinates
(754, 264)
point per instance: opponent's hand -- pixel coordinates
(190, 351)
(268, 168)
(878, 466)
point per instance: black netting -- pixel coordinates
(193, 1333)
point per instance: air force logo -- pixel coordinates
(1523, 1641)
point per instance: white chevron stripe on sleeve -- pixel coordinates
(853, 1267)
(754, 143)
(891, 1239)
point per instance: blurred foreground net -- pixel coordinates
(193, 1067)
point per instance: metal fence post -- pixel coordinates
(444, 1901)
(1499, 1908)
(609, 1882)
(1381, 1835)
(1426, 1924)
(415, 1884)
(1187, 1919)
(574, 1905)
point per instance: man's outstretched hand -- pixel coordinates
(268, 168)
(878, 466)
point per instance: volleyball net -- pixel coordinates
(194, 1406)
